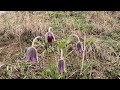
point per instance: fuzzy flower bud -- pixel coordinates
(31, 54)
(79, 47)
(49, 36)
(61, 66)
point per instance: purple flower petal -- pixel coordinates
(61, 66)
(49, 36)
(79, 47)
(31, 54)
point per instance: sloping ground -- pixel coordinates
(102, 54)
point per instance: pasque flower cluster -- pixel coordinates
(31, 53)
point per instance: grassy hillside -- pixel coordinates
(99, 30)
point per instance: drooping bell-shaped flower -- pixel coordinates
(61, 66)
(31, 54)
(49, 36)
(79, 47)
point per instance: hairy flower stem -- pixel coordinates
(75, 36)
(61, 55)
(83, 53)
(20, 44)
(35, 40)
(49, 29)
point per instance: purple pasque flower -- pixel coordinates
(31, 54)
(61, 66)
(49, 36)
(79, 47)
